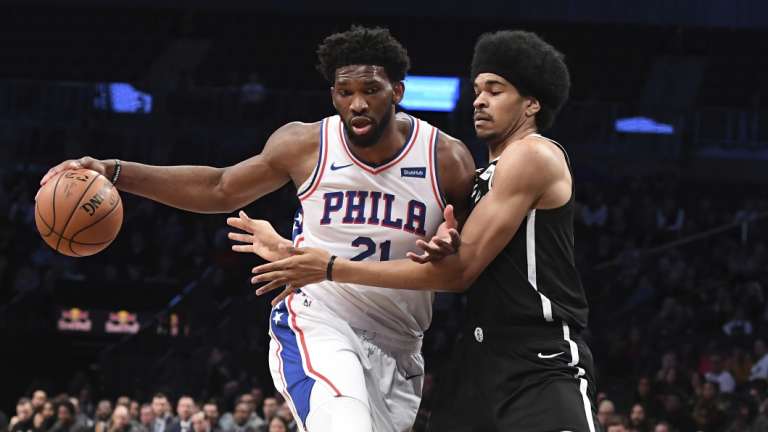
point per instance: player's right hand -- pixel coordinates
(445, 242)
(84, 162)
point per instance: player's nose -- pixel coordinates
(359, 105)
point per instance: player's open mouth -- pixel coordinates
(361, 125)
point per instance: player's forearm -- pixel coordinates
(191, 188)
(446, 275)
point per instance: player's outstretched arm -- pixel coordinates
(523, 174)
(205, 189)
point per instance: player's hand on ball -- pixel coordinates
(84, 162)
(262, 239)
(305, 266)
(445, 242)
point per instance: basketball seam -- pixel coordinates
(119, 202)
(73, 241)
(55, 186)
(74, 209)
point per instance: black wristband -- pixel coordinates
(329, 269)
(116, 174)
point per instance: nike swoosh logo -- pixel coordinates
(549, 356)
(334, 167)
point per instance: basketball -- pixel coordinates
(78, 212)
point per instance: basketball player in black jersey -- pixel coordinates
(520, 364)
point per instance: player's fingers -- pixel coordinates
(455, 238)
(273, 266)
(285, 293)
(244, 215)
(450, 218)
(271, 286)
(245, 238)
(269, 276)
(443, 245)
(422, 244)
(242, 248)
(238, 223)
(421, 259)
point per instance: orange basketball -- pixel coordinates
(78, 212)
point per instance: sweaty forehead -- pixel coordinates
(360, 72)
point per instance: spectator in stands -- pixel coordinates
(211, 410)
(184, 409)
(278, 424)
(662, 426)
(44, 419)
(645, 397)
(745, 414)
(605, 410)
(146, 418)
(676, 414)
(241, 418)
(134, 410)
(102, 416)
(121, 420)
(161, 407)
(22, 421)
(720, 376)
(286, 414)
(200, 423)
(66, 419)
(82, 421)
(269, 408)
(124, 401)
(638, 422)
(616, 423)
(707, 413)
(39, 397)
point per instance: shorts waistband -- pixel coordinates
(525, 332)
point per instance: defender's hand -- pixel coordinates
(262, 239)
(446, 240)
(305, 266)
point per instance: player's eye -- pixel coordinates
(372, 90)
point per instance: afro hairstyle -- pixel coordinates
(529, 63)
(363, 46)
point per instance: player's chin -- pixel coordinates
(484, 133)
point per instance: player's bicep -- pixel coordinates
(266, 172)
(489, 228)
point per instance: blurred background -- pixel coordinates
(667, 126)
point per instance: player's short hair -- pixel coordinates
(363, 46)
(529, 63)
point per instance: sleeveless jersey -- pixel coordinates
(534, 278)
(360, 211)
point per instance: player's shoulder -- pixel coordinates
(530, 160)
(299, 131)
(534, 151)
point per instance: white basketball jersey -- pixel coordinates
(363, 212)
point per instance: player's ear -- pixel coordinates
(532, 106)
(398, 89)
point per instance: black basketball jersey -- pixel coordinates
(534, 279)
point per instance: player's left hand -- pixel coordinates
(445, 242)
(305, 266)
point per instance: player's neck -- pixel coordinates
(391, 141)
(497, 147)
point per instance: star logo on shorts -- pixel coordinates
(278, 317)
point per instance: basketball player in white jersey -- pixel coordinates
(346, 357)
